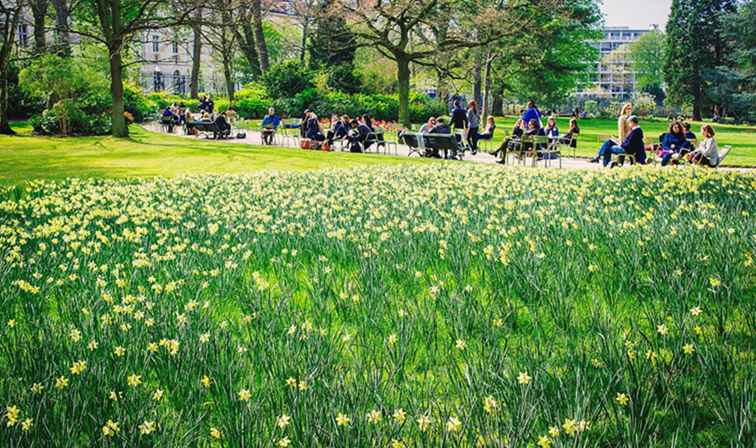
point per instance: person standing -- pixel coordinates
(473, 124)
(458, 116)
(532, 113)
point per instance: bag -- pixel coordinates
(241, 135)
(325, 146)
(305, 143)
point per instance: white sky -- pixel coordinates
(636, 13)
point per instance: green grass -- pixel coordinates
(26, 157)
(594, 131)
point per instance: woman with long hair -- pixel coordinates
(473, 124)
(673, 143)
(707, 153)
(623, 129)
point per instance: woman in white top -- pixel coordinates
(623, 129)
(707, 152)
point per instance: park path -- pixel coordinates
(254, 137)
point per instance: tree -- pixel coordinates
(39, 13)
(562, 31)
(647, 55)
(402, 31)
(196, 24)
(262, 48)
(63, 39)
(114, 24)
(245, 35)
(695, 46)
(331, 42)
(10, 16)
(221, 35)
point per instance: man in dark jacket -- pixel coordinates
(458, 116)
(633, 144)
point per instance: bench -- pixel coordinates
(430, 145)
(207, 128)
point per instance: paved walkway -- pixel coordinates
(255, 138)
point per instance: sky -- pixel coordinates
(636, 13)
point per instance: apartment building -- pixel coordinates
(613, 75)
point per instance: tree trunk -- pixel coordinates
(229, 76)
(477, 80)
(262, 47)
(305, 31)
(116, 90)
(61, 27)
(246, 38)
(4, 122)
(403, 76)
(196, 54)
(697, 99)
(39, 11)
(487, 88)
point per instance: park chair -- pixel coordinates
(377, 139)
(544, 148)
(415, 143)
(448, 143)
(722, 154)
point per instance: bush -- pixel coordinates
(344, 78)
(287, 79)
(66, 117)
(252, 101)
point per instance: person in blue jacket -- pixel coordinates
(674, 142)
(270, 124)
(532, 113)
(632, 145)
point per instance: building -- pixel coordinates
(613, 76)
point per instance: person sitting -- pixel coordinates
(358, 136)
(339, 129)
(623, 128)
(426, 128)
(458, 116)
(270, 124)
(509, 143)
(168, 120)
(205, 117)
(488, 132)
(707, 153)
(570, 138)
(673, 143)
(552, 130)
(313, 131)
(632, 145)
(532, 113)
(533, 131)
(223, 127)
(688, 134)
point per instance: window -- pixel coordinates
(155, 44)
(174, 47)
(157, 81)
(23, 35)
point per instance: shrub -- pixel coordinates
(287, 79)
(252, 101)
(344, 78)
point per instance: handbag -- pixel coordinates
(305, 143)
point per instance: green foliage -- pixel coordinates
(77, 96)
(696, 46)
(344, 78)
(546, 60)
(165, 99)
(252, 101)
(332, 43)
(643, 104)
(647, 54)
(287, 79)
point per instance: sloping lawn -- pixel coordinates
(26, 157)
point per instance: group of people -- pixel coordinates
(465, 123)
(530, 124)
(177, 115)
(358, 132)
(678, 143)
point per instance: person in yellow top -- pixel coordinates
(623, 129)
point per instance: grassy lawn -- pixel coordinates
(27, 157)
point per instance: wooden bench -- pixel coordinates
(208, 127)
